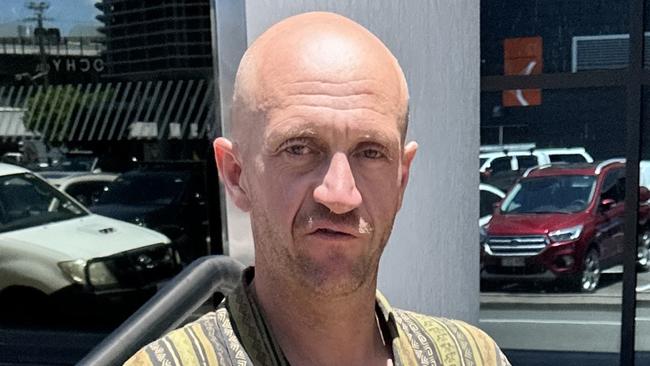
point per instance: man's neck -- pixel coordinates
(314, 330)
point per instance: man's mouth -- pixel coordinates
(331, 233)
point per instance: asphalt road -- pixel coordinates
(611, 285)
(545, 317)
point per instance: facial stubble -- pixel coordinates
(288, 259)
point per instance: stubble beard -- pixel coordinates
(289, 262)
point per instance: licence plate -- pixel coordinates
(513, 262)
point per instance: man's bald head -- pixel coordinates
(321, 47)
(317, 154)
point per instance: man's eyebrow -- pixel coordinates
(279, 134)
(376, 136)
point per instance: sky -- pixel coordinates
(64, 13)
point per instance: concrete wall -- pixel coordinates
(431, 264)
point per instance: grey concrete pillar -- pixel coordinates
(431, 264)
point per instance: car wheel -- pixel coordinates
(22, 306)
(643, 252)
(588, 279)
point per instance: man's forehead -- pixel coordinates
(368, 93)
(313, 56)
(351, 131)
(328, 71)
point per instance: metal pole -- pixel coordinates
(633, 154)
(39, 9)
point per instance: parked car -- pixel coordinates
(53, 251)
(166, 197)
(15, 158)
(71, 163)
(563, 221)
(489, 196)
(85, 188)
(503, 168)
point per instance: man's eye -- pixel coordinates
(298, 150)
(372, 154)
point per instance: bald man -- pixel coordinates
(318, 158)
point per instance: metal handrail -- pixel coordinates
(167, 308)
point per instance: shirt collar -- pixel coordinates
(257, 339)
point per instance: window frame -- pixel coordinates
(633, 79)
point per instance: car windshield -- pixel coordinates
(74, 163)
(145, 188)
(27, 201)
(552, 194)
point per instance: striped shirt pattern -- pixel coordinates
(235, 334)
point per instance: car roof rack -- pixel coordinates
(605, 163)
(505, 148)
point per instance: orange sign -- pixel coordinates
(522, 56)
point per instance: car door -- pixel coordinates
(611, 218)
(87, 192)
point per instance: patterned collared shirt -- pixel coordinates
(236, 334)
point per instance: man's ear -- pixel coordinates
(407, 158)
(230, 172)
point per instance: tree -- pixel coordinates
(56, 112)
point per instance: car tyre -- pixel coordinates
(23, 306)
(589, 278)
(643, 252)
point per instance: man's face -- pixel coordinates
(320, 163)
(325, 175)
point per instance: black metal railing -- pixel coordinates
(167, 309)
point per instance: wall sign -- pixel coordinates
(83, 64)
(522, 56)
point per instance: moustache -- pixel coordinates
(320, 213)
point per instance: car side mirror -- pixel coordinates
(606, 204)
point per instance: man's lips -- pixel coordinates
(333, 230)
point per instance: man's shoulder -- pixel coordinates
(434, 324)
(205, 341)
(448, 338)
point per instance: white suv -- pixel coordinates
(524, 159)
(502, 168)
(52, 249)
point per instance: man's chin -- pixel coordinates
(336, 288)
(333, 279)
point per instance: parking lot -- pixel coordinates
(546, 317)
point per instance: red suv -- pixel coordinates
(563, 221)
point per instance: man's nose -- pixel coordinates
(338, 191)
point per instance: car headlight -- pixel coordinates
(98, 273)
(74, 270)
(566, 234)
